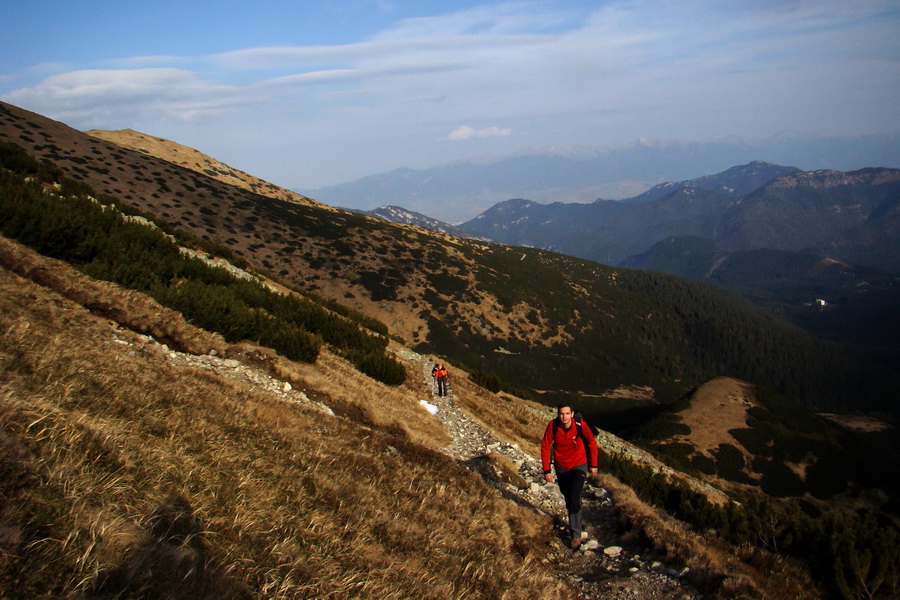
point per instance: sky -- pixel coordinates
(308, 93)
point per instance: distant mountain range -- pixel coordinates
(851, 217)
(398, 214)
(459, 191)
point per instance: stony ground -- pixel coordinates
(600, 570)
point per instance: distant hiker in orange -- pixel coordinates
(439, 372)
(570, 442)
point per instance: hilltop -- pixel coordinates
(195, 160)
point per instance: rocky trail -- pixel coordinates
(601, 569)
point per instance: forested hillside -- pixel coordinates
(551, 324)
(844, 303)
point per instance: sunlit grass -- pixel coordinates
(126, 475)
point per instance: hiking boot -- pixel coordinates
(576, 542)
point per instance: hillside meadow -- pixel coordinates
(125, 475)
(128, 474)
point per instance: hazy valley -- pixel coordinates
(459, 191)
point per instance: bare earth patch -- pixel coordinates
(632, 392)
(717, 407)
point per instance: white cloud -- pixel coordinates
(592, 73)
(466, 133)
(93, 97)
(314, 78)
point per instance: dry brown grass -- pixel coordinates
(506, 469)
(130, 309)
(717, 407)
(197, 161)
(341, 386)
(123, 475)
(332, 380)
(716, 567)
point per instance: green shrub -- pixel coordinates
(704, 464)
(487, 380)
(379, 367)
(15, 159)
(825, 478)
(663, 426)
(754, 440)
(676, 455)
(730, 463)
(778, 480)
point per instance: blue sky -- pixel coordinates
(306, 94)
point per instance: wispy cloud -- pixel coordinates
(466, 133)
(564, 73)
(89, 96)
(546, 61)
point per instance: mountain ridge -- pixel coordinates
(790, 210)
(398, 214)
(195, 160)
(735, 182)
(459, 191)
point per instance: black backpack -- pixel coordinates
(579, 425)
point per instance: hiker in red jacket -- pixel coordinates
(574, 453)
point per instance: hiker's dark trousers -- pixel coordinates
(571, 482)
(442, 386)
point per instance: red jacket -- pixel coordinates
(568, 446)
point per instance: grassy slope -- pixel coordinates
(125, 474)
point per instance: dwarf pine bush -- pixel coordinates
(71, 225)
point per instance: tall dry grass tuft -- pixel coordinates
(129, 309)
(123, 475)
